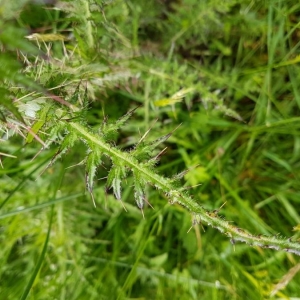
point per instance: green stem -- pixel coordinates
(200, 214)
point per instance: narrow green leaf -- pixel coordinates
(38, 124)
(40, 260)
(40, 205)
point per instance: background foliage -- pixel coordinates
(226, 70)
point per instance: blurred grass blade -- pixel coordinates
(8, 104)
(40, 205)
(24, 180)
(40, 260)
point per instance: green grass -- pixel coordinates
(236, 63)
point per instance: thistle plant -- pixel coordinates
(54, 82)
(140, 162)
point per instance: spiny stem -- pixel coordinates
(210, 218)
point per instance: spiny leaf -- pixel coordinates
(55, 133)
(92, 163)
(180, 175)
(116, 185)
(176, 178)
(139, 196)
(67, 143)
(139, 186)
(114, 179)
(110, 129)
(160, 140)
(144, 151)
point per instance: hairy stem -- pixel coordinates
(210, 218)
